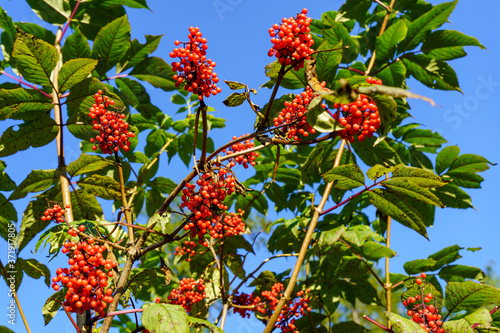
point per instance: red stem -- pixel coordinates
(70, 18)
(26, 84)
(349, 199)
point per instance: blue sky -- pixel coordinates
(238, 40)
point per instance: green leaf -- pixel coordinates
(4, 329)
(81, 97)
(378, 171)
(87, 163)
(35, 59)
(328, 238)
(405, 188)
(292, 80)
(235, 99)
(31, 223)
(372, 154)
(34, 269)
(162, 184)
(399, 209)
(133, 92)
(420, 177)
(76, 46)
(469, 296)
(233, 85)
(143, 278)
(111, 44)
(103, 186)
(37, 31)
(338, 33)
(391, 91)
(446, 256)
(386, 44)
(402, 325)
(319, 118)
(481, 317)
(445, 158)
(327, 62)
(139, 52)
(206, 323)
(129, 3)
(423, 137)
(346, 177)
(36, 181)
(8, 35)
(51, 11)
(464, 179)
(469, 163)
(155, 71)
(387, 109)
(419, 29)
(52, 305)
(454, 197)
(6, 183)
(448, 44)
(178, 99)
(435, 74)
(25, 104)
(450, 272)
(74, 71)
(358, 234)
(393, 75)
(375, 251)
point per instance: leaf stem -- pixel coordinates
(264, 120)
(382, 29)
(126, 207)
(26, 84)
(364, 261)
(387, 286)
(70, 18)
(387, 329)
(305, 245)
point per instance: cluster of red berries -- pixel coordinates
(86, 278)
(270, 299)
(247, 300)
(293, 115)
(188, 248)
(242, 159)
(207, 207)
(189, 292)
(424, 314)
(359, 118)
(291, 40)
(55, 213)
(195, 70)
(113, 132)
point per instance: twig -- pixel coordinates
(387, 329)
(70, 18)
(126, 208)
(26, 84)
(303, 249)
(264, 120)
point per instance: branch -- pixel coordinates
(126, 207)
(387, 329)
(303, 249)
(264, 120)
(70, 18)
(382, 29)
(26, 84)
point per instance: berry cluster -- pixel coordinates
(113, 132)
(86, 278)
(270, 299)
(206, 204)
(242, 159)
(291, 40)
(293, 115)
(189, 292)
(359, 118)
(55, 213)
(187, 248)
(247, 300)
(424, 314)
(195, 70)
